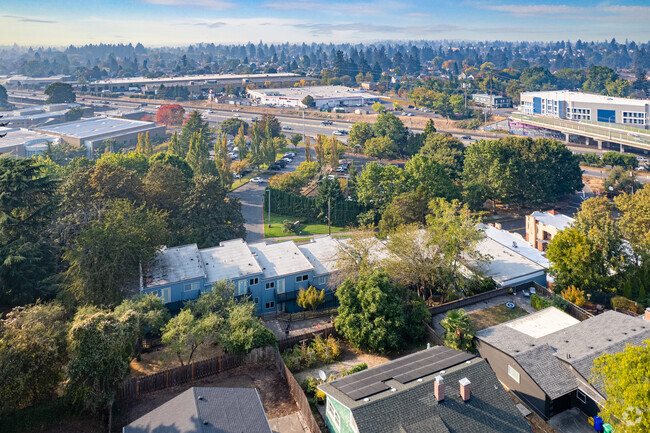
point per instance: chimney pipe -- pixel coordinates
(647, 314)
(439, 388)
(465, 385)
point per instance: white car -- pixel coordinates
(236, 115)
(257, 180)
(287, 128)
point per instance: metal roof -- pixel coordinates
(229, 261)
(582, 97)
(316, 92)
(516, 243)
(505, 265)
(96, 126)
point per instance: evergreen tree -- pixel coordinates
(148, 148)
(241, 143)
(174, 146)
(308, 155)
(198, 156)
(192, 125)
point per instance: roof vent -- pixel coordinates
(205, 423)
(393, 389)
(366, 399)
(200, 397)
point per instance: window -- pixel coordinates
(270, 304)
(322, 280)
(241, 288)
(191, 286)
(256, 300)
(333, 415)
(280, 286)
(270, 285)
(300, 278)
(513, 373)
(581, 396)
(253, 281)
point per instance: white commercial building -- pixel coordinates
(24, 143)
(563, 104)
(324, 96)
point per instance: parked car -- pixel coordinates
(341, 169)
(286, 159)
(275, 167)
(281, 163)
(641, 159)
(257, 180)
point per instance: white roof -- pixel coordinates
(322, 254)
(144, 80)
(173, 265)
(544, 322)
(505, 266)
(594, 98)
(97, 126)
(516, 243)
(229, 261)
(559, 221)
(316, 92)
(280, 259)
(21, 136)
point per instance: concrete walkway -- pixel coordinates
(289, 424)
(519, 299)
(571, 421)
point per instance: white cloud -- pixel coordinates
(219, 5)
(337, 8)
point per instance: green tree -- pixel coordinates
(409, 207)
(295, 140)
(371, 315)
(241, 144)
(101, 345)
(73, 114)
(27, 257)
(194, 125)
(174, 161)
(185, 332)
(458, 330)
(211, 217)
(308, 101)
(175, 146)
(634, 219)
(598, 78)
(198, 156)
(376, 186)
(311, 298)
(446, 151)
(624, 377)
(388, 125)
(429, 128)
(232, 125)
(423, 171)
(268, 126)
(619, 180)
(381, 147)
(59, 92)
(378, 107)
(244, 331)
(105, 256)
(64, 152)
(144, 145)
(360, 133)
(222, 161)
(3, 96)
(152, 314)
(32, 355)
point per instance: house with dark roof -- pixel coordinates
(546, 358)
(206, 410)
(437, 390)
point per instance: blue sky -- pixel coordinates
(180, 22)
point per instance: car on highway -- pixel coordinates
(257, 180)
(236, 115)
(340, 132)
(326, 122)
(466, 137)
(287, 128)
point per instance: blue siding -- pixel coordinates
(537, 105)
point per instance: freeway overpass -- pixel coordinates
(596, 133)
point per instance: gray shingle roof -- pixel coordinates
(548, 359)
(219, 410)
(413, 408)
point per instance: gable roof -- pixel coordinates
(206, 410)
(412, 407)
(173, 265)
(229, 261)
(565, 348)
(280, 259)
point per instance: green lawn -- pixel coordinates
(492, 316)
(307, 228)
(245, 179)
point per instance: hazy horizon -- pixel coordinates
(75, 22)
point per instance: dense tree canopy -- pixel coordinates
(59, 92)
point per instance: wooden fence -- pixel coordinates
(460, 303)
(324, 331)
(575, 311)
(132, 388)
(298, 395)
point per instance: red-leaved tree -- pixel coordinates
(170, 114)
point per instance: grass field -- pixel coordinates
(488, 317)
(306, 229)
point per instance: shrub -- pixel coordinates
(622, 303)
(328, 350)
(469, 123)
(538, 302)
(323, 350)
(561, 303)
(355, 369)
(309, 385)
(575, 295)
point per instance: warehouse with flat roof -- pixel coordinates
(24, 143)
(91, 132)
(324, 96)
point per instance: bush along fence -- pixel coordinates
(553, 299)
(133, 387)
(306, 337)
(298, 395)
(285, 203)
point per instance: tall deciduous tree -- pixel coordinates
(170, 114)
(59, 92)
(175, 146)
(198, 156)
(624, 376)
(105, 256)
(32, 355)
(381, 147)
(360, 133)
(388, 125)
(194, 124)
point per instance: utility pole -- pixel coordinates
(269, 207)
(329, 216)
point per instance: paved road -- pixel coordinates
(251, 196)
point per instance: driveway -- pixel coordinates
(251, 196)
(289, 424)
(571, 421)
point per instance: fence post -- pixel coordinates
(192, 371)
(137, 387)
(167, 381)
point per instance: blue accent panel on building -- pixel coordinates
(537, 105)
(561, 106)
(607, 116)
